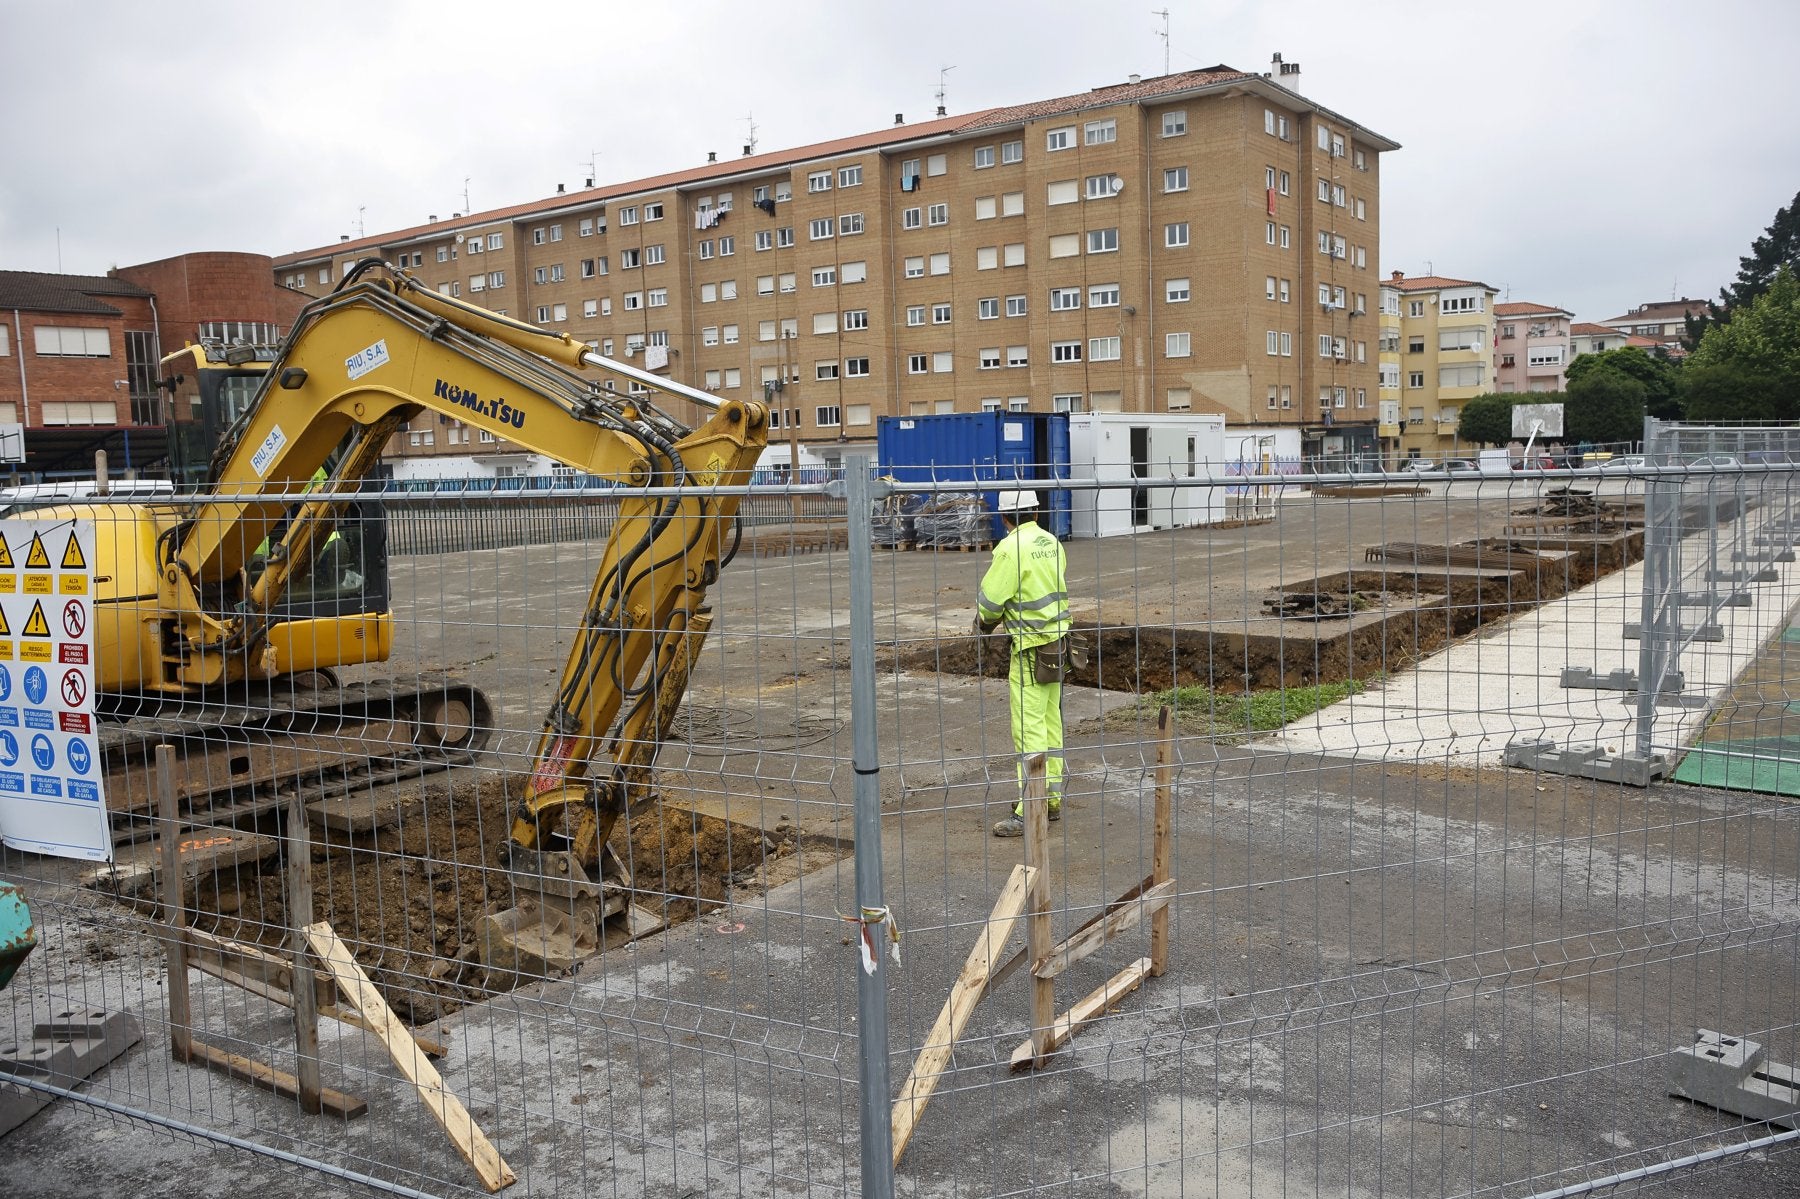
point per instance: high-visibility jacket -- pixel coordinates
(1027, 587)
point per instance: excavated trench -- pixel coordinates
(1352, 624)
(409, 899)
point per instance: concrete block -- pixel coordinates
(1734, 1075)
(61, 1052)
(1592, 762)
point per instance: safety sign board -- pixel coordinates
(52, 792)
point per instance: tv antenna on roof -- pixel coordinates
(1163, 33)
(466, 208)
(360, 209)
(750, 138)
(593, 166)
(943, 89)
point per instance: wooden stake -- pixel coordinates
(1083, 1013)
(1037, 922)
(181, 1025)
(1161, 850)
(444, 1106)
(970, 985)
(1118, 918)
(300, 914)
(236, 1065)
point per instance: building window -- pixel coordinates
(784, 236)
(984, 157)
(824, 371)
(1181, 399)
(1174, 124)
(1103, 349)
(1102, 241)
(822, 228)
(941, 362)
(1018, 356)
(1065, 299)
(785, 282)
(1015, 306)
(824, 276)
(987, 258)
(1286, 237)
(1059, 139)
(911, 218)
(989, 359)
(1065, 403)
(856, 318)
(538, 235)
(918, 364)
(709, 336)
(1175, 179)
(940, 264)
(590, 308)
(1461, 304)
(937, 214)
(856, 368)
(915, 315)
(1103, 295)
(1175, 235)
(1100, 187)
(630, 259)
(52, 341)
(985, 208)
(1270, 235)
(824, 322)
(587, 268)
(937, 164)
(1175, 291)
(988, 309)
(1175, 345)
(853, 272)
(825, 416)
(1415, 308)
(1099, 133)
(819, 181)
(1415, 379)
(634, 300)
(850, 224)
(495, 241)
(659, 297)
(765, 239)
(940, 314)
(1012, 152)
(1061, 191)
(1065, 351)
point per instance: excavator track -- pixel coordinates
(241, 758)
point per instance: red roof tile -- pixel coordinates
(1590, 329)
(1526, 308)
(1430, 283)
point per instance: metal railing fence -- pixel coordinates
(1355, 887)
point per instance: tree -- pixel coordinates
(1762, 339)
(1660, 377)
(1604, 406)
(1486, 419)
(1726, 391)
(1778, 247)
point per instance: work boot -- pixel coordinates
(1012, 826)
(1055, 812)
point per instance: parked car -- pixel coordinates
(1716, 462)
(1624, 462)
(1536, 461)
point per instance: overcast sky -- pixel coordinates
(1588, 155)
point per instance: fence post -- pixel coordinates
(871, 984)
(1659, 535)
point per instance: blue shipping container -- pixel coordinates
(980, 447)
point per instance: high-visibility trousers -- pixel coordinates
(1037, 726)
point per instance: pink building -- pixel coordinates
(1531, 347)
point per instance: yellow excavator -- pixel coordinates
(221, 617)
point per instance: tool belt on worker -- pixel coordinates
(1050, 661)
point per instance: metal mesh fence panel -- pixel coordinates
(1381, 866)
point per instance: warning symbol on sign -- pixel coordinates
(72, 558)
(6, 561)
(74, 619)
(5, 629)
(36, 558)
(74, 688)
(35, 624)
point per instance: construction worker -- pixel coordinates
(1027, 588)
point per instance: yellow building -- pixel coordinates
(1436, 341)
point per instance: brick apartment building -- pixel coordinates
(1203, 241)
(79, 353)
(1664, 322)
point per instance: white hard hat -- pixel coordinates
(1016, 501)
